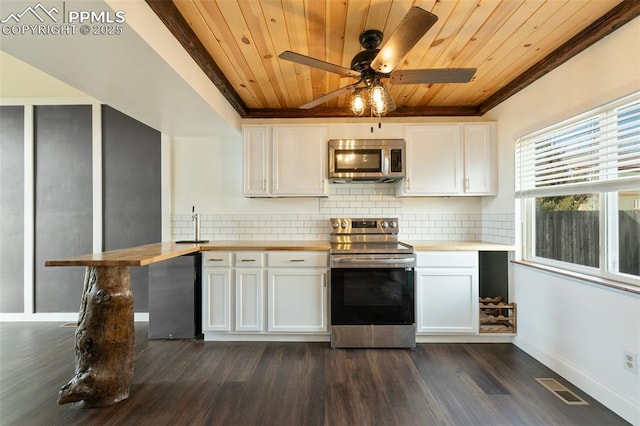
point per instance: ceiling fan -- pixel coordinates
(373, 64)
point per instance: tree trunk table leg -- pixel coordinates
(104, 340)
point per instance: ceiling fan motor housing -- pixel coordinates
(370, 39)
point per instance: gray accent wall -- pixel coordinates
(131, 156)
(63, 202)
(11, 209)
(62, 190)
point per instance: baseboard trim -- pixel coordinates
(461, 338)
(258, 337)
(607, 397)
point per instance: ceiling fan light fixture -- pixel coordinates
(358, 101)
(379, 95)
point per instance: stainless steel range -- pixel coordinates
(372, 285)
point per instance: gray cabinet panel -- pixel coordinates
(175, 298)
(63, 202)
(12, 209)
(131, 155)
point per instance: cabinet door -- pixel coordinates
(256, 161)
(434, 160)
(447, 300)
(297, 300)
(478, 177)
(249, 300)
(299, 161)
(217, 299)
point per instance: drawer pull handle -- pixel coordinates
(247, 260)
(296, 260)
(216, 260)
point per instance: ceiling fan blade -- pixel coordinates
(327, 97)
(413, 26)
(434, 75)
(317, 63)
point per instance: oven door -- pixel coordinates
(380, 296)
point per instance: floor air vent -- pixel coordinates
(561, 392)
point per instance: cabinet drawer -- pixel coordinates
(216, 258)
(249, 259)
(298, 259)
(447, 259)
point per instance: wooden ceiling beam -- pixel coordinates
(173, 20)
(334, 112)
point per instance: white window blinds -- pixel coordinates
(595, 151)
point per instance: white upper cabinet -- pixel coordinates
(434, 160)
(479, 167)
(257, 161)
(300, 161)
(285, 161)
(449, 159)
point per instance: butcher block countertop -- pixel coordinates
(239, 245)
(157, 252)
(459, 246)
(134, 256)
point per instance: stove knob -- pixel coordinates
(335, 224)
(344, 224)
(394, 224)
(385, 224)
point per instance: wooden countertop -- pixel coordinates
(239, 245)
(157, 252)
(459, 246)
(134, 256)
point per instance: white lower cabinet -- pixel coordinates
(236, 304)
(217, 275)
(447, 292)
(249, 299)
(297, 300)
(233, 291)
(297, 286)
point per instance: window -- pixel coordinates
(579, 185)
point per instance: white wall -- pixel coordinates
(578, 329)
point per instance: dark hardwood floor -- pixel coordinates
(191, 382)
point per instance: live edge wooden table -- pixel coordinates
(104, 339)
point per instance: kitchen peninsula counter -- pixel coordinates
(157, 252)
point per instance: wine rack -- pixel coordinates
(497, 316)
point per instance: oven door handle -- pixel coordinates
(359, 260)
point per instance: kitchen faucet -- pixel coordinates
(196, 224)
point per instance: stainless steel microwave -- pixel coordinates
(366, 160)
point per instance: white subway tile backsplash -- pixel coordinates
(350, 201)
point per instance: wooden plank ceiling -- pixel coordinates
(511, 43)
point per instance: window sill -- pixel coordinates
(617, 285)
